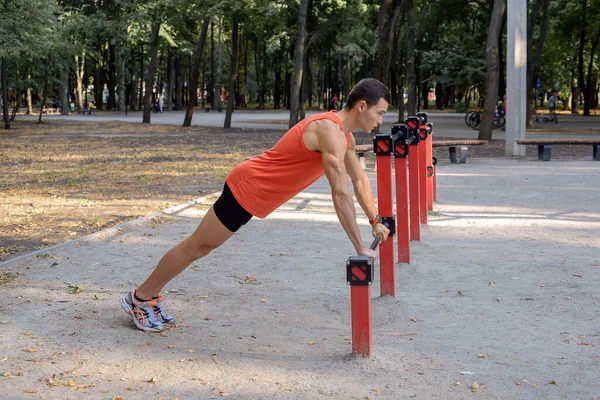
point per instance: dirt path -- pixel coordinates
(501, 291)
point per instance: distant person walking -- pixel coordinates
(335, 100)
(161, 103)
(552, 103)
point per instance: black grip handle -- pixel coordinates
(376, 241)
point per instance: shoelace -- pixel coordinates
(157, 309)
(151, 315)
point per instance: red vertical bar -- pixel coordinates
(430, 178)
(434, 190)
(360, 300)
(384, 200)
(423, 181)
(402, 228)
(413, 189)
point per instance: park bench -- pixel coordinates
(458, 149)
(360, 150)
(207, 109)
(545, 146)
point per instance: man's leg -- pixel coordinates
(144, 303)
(209, 235)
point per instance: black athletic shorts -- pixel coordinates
(229, 211)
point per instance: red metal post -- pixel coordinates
(359, 272)
(382, 145)
(430, 177)
(434, 190)
(423, 175)
(413, 189)
(401, 168)
(360, 299)
(413, 175)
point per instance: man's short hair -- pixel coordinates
(370, 90)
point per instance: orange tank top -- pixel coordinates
(263, 183)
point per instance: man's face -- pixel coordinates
(370, 118)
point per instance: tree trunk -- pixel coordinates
(299, 64)
(574, 91)
(29, 102)
(304, 87)
(411, 74)
(122, 76)
(287, 89)
(111, 62)
(580, 80)
(141, 96)
(64, 90)
(425, 95)
(491, 95)
(178, 82)
(170, 80)
(400, 105)
(232, 72)
(5, 93)
(151, 72)
(133, 84)
(79, 72)
(17, 105)
(393, 63)
(196, 71)
(217, 93)
(260, 96)
(537, 59)
(99, 86)
(439, 96)
(44, 95)
(589, 92)
(277, 90)
(387, 24)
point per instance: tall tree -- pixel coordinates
(196, 71)
(411, 73)
(151, 75)
(388, 15)
(536, 60)
(218, 74)
(298, 64)
(5, 115)
(233, 66)
(493, 68)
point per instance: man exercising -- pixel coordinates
(319, 144)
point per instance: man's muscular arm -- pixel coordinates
(332, 144)
(362, 188)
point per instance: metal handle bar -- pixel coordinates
(376, 241)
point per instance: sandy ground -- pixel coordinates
(502, 290)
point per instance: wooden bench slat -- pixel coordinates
(545, 146)
(444, 143)
(558, 141)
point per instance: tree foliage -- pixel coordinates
(102, 51)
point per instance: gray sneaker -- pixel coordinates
(160, 313)
(143, 313)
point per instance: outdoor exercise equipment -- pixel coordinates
(426, 135)
(401, 143)
(360, 276)
(414, 168)
(382, 147)
(413, 124)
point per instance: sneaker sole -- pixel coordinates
(129, 311)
